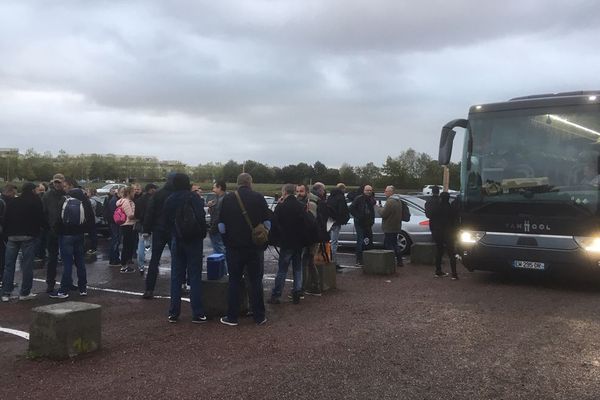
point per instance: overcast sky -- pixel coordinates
(276, 81)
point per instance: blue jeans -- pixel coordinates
(218, 246)
(186, 257)
(335, 235)
(390, 242)
(12, 252)
(141, 249)
(71, 250)
(115, 241)
(285, 257)
(250, 260)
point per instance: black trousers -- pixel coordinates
(444, 241)
(128, 235)
(52, 243)
(2, 256)
(159, 240)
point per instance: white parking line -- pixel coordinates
(109, 290)
(15, 332)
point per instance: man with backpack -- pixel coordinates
(363, 211)
(186, 223)
(339, 213)
(76, 218)
(243, 220)
(316, 205)
(154, 224)
(51, 201)
(391, 223)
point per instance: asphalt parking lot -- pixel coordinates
(404, 336)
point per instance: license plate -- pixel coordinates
(529, 265)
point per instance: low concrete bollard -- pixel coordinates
(327, 276)
(65, 330)
(214, 297)
(423, 253)
(379, 262)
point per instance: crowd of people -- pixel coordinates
(52, 221)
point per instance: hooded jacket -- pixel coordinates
(154, 218)
(24, 216)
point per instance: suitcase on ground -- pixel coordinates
(215, 266)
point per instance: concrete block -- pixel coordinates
(214, 297)
(422, 253)
(379, 262)
(327, 276)
(65, 330)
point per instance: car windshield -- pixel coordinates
(534, 156)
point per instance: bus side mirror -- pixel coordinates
(447, 139)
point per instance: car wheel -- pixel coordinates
(404, 243)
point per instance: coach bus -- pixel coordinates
(529, 183)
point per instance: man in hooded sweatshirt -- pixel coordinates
(154, 224)
(71, 242)
(186, 223)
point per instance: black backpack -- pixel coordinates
(405, 211)
(187, 224)
(310, 229)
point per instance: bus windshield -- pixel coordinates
(533, 156)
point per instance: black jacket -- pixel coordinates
(338, 207)
(363, 211)
(154, 216)
(443, 217)
(24, 216)
(141, 204)
(237, 232)
(52, 200)
(288, 221)
(90, 217)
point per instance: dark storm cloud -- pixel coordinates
(261, 75)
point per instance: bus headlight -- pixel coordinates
(590, 244)
(470, 237)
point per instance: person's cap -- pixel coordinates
(58, 178)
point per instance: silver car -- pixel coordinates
(414, 231)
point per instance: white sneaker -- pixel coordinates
(30, 296)
(5, 298)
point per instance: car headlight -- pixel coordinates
(588, 243)
(470, 237)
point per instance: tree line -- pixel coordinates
(409, 170)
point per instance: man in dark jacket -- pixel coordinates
(443, 220)
(186, 247)
(115, 230)
(141, 204)
(242, 253)
(154, 224)
(363, 211)
(51, 201)
(71, 239)
(8, 194)
(339, 212)
(214, 207)
(24, 219)
(289, 222)
(391, 223)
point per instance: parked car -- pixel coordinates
(104, 190)
(101, 224)
(414, 231)
(427, 189)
